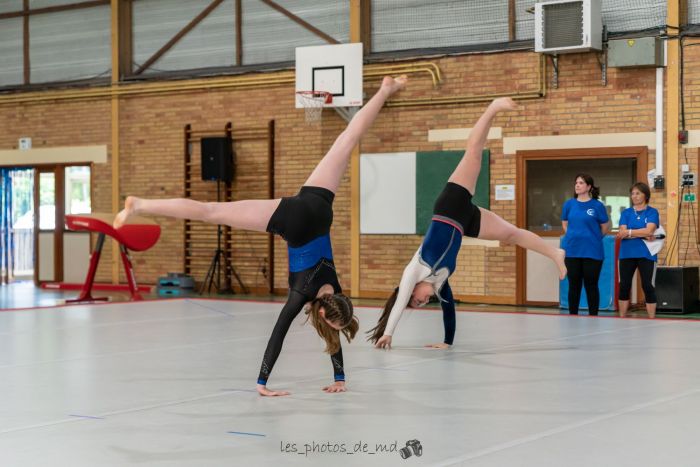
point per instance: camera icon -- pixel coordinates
(412, 447)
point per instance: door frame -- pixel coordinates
(639, 153)
(59, 210)
(59, 171)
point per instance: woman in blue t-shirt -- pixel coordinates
(585, 221)
(637, 223)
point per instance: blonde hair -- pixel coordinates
(338, 309)
(377, 332)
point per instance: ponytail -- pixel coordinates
(594, 191)
(377, 332)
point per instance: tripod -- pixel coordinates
(213, 277)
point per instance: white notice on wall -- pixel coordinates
(25, 144)
(505, 192)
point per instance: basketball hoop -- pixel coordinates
(313, 102)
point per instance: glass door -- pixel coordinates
(22, 223)
(16, 224)
(47, 243)
(76, 245)
(61, 190)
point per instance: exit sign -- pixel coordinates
(689, 197)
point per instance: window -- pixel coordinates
(47, 201)
(77, 190)
(551, 182)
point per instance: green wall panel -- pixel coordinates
(433, 168)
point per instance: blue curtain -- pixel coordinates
(6, 243)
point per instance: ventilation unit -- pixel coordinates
(565, 26)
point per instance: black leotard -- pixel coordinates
(304, 221)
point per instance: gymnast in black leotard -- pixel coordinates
(304, 220)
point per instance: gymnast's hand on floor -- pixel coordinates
(338, 386)
(384, 342)
(441, 345)
(263, 391)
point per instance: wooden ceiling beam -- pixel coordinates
(176, 38)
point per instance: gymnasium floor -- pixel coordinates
(171, 382)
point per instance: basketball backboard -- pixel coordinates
(332, 68)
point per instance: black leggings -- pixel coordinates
(647, 272)
(583, 272)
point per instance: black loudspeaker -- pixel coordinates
(217, 159)
(677, 288)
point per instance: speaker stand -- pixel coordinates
(219, 262)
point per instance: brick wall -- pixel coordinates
(152, 153)
(689, 253)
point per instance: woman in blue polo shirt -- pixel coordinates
(637, 223)
(585, 221)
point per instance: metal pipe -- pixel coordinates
(659, 164)
(139, 89)
(383, 72)
(119, 90)
(434, 66)
(465, 99)
(281, 78)
(428, 67)
(459, 99)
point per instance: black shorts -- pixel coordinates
(455, 203)
(303, 217)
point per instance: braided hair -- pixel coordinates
(338, 309)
